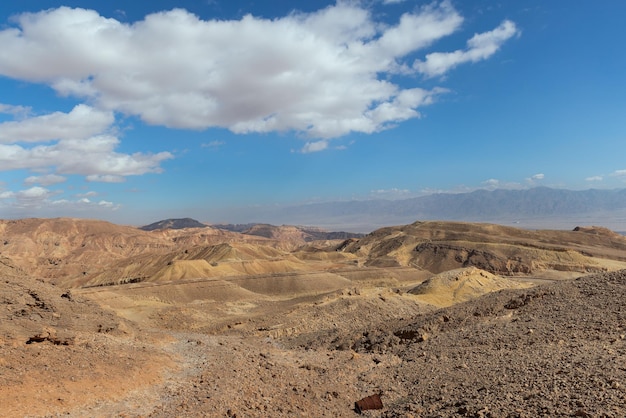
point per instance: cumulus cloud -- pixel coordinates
(107, 204)
(594, 178)
(82, 122)
(314, 147)
(45, 180)
(94, 157)
(42, 201)
(31, 198)
(17, 111)
(324, 74)
(71, 143)
(480, 47)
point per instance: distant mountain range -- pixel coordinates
(536, 207)
(539, 207)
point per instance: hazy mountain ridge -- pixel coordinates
(540, 204)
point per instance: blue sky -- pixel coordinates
(139, 111)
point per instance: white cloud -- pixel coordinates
(18, 111)
(480, 47)
(82, 122)
(93, 157)
(45, 180)
(40, 201)
(491, 183)
(88, 194)
(105, 178)
(392, 1)
(314, 147)
(594, 178)
(325, 73)
(619, 173)
(535, 178)
(32, 198)
(416, 31)
(107, 204)
(34, 193)
(213, 144)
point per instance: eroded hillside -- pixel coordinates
(204, 322)
(442, 246)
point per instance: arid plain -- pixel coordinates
(440, 319)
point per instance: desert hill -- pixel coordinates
(202, 261)
(64, 247)
(441, 246)
(78, 252)
(173, 224)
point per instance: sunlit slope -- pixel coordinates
(460, 285)
(66, 248)
(222, 260)
(79, 252)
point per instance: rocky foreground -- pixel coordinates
(553, 350)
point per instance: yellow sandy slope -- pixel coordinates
(460, 285)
